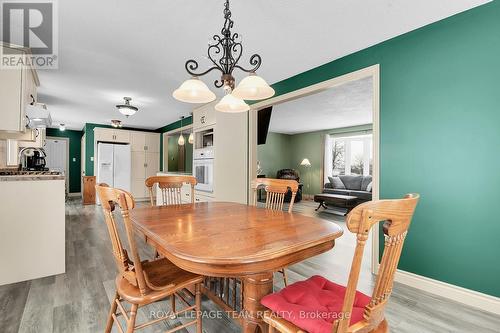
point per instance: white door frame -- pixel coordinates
(372, 71)
(55, 138)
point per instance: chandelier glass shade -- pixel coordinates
(252, 88)
(229, 103)
(194, 91)
(191, 138)
(224, 53)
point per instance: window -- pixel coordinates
(349, 155)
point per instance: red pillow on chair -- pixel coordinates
(314, 304)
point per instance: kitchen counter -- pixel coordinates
(10, 178)
(173, 173)
(32, 226)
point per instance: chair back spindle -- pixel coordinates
(170, 189)
(396, 216)
(276, 190)
(129, 268)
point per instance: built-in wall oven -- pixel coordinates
(203, 169)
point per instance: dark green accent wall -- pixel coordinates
(88, 129)
(75, 151)
(440, 133)
(173, 153)
(171, 127)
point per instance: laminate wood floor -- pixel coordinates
(78, 301)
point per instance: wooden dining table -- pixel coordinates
(223, 239)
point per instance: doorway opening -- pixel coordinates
(57, 159)
(326, 132)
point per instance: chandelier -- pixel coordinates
(224, 53)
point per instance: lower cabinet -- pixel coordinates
(199, 197)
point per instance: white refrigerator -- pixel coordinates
(113, 161)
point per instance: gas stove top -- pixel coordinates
(27, 172)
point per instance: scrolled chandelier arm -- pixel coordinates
(224, 53)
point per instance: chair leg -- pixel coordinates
(131, 321)
(172, 302)
(285, 277)
(198, 309)
(112, 311)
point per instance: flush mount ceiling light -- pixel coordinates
(126, 109)
(224, 53)
(116, 123)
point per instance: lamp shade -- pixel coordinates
(229, 103)
(305, 162)
(253, 87)
(191, 138)
(181, 140)
(193, 91)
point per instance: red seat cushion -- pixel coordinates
(314, 304)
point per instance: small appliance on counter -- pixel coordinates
(32, 159)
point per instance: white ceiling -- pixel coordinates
(115, 48)
(349, 104)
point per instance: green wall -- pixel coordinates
(75, 146)
(440, 133)
(173, 153)
(275, 154)
(283, 151)
(171, 127)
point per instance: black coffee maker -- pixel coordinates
(36, 161)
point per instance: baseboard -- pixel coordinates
(462, 295)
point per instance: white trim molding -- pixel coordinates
(458, 294)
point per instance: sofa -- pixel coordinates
(294, 175)
(356, 186)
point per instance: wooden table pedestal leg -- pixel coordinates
(254, 288)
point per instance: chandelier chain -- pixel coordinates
(224, 53)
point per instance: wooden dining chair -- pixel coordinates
(143, 282)
(343, 309)
(170, 187)
(276, 190)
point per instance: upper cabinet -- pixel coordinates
(18, 88)
(204, 116)
(111, 135)
(145, 141)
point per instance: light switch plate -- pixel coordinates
(74, 159)
(92, 158)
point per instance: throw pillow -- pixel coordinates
(336, 183)
(369, 187)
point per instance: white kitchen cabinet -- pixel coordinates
(202, 198)
(152, 164)
(38, 139)
(153, 142)
(17, 85)
(138, 189)
(204, 116)
(138, 165)
(137, 141)
(111, 135)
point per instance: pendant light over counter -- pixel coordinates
(224, 53)
(181, 141)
